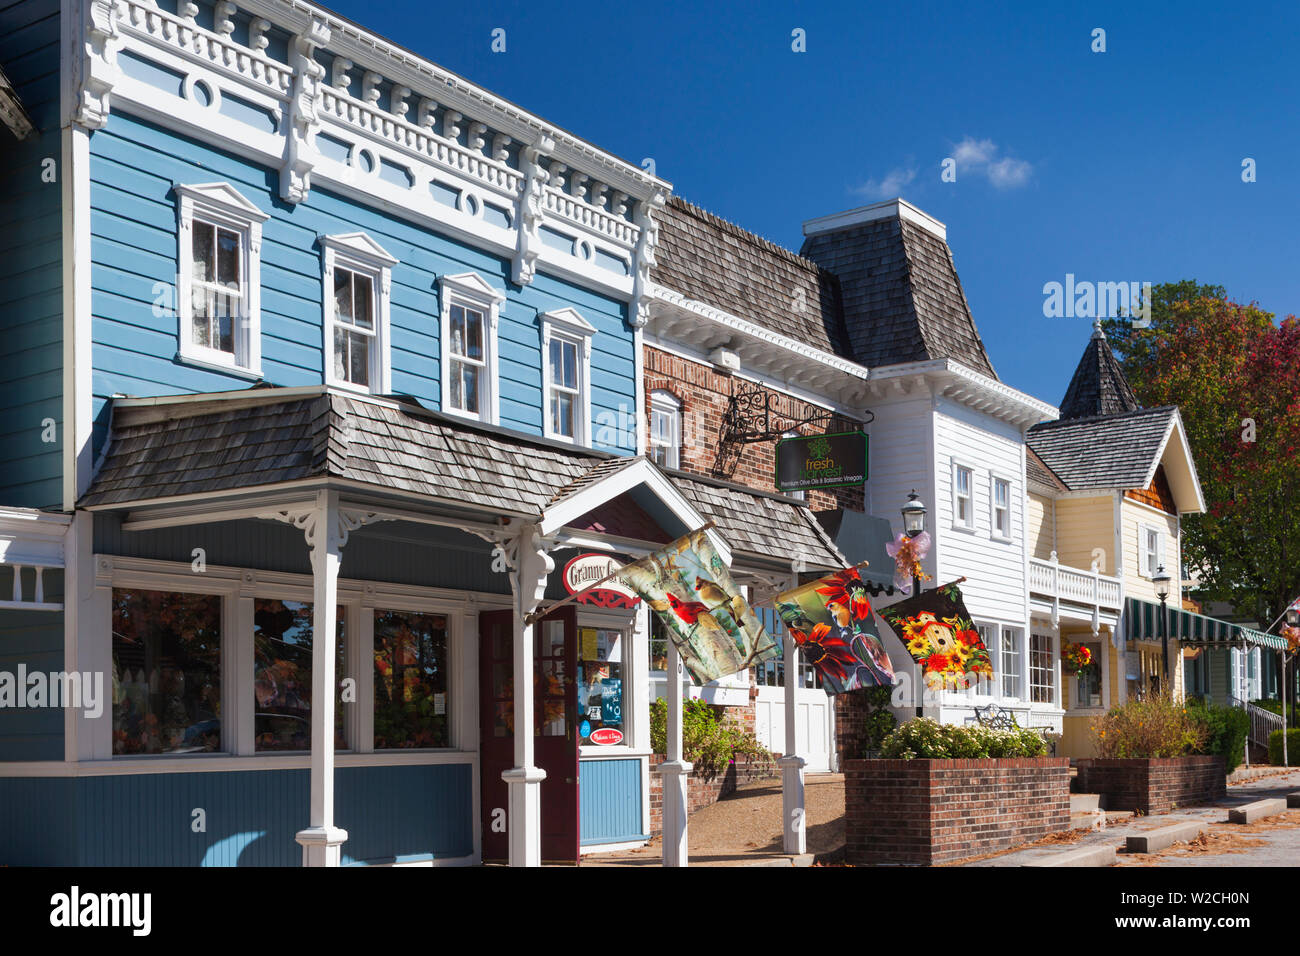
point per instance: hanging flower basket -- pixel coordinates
(1076, 659)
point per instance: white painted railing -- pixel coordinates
(1262, 724)
(1053, 579)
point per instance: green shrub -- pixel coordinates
(1292, 748)
(1226, 729)
(929, 739)
(880, 721)
(711, 746)
(1156, 726)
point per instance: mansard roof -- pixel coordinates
(711, 260)
(902, 299)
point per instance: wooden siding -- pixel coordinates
(995, 589)
(35, 640)
(1134, 516)
(1042, 526)
(392, 814)
(1083, 524)
(133, 167)
(610, 796)
(31, 277)
(1158, 495)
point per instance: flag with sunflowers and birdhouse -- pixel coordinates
(832, 624)
(937, 631)
(713, 628)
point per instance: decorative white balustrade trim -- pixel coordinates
(151, 23)
(592, 217)
(1072, 584)
(424, 143)
(19, 600)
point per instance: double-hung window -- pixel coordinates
(1010, 660)
(963, 496)
(469, 352)
(566, 348)
(1042, 673)
(219, 279)
(357, 283)
(665, 429)
(1000, 499)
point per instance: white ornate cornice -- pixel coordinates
(304, 111)
(531, 210)
(647, 243)
(94, 69)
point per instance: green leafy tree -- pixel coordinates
(1235, 374)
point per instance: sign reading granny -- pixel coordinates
(821, 461)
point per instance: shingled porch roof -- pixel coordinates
(226, 443)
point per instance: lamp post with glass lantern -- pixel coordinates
(1161, 581)
(914, 524)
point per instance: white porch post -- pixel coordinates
(322, 841)
(532, 566)
(793, 837)
(674, 770)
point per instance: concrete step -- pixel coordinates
(1161, 837)
(1083, 856)
(1257, 810)
(1084, 802)
(1088, 820)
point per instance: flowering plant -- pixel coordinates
(907, 554)
(1076, 658)
(1292, 635)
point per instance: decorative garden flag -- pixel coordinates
(938, 633)
(709, 622)
(832, 622)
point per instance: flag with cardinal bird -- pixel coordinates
(832, 623)
(692, 591)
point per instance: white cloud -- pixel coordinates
(889, 186)
(979, 157)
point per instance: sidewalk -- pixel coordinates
(1271, 842)
(745, 828)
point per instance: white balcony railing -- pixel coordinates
(1055, 580)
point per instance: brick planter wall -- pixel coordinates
(701, 792)
(926, 812)
(1153, 786)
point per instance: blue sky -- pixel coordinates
(1117, 166)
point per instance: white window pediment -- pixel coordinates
(221, 197)
(468, 346)
(356, 284)
(219, 278)
(568, 320)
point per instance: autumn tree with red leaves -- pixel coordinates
(1235, 374)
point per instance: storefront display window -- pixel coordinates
(600, 681)
(411, 680)
(282, 636)
(166, 672)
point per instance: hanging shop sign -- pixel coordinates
(607, 736)
(821, 461)
(582, 571)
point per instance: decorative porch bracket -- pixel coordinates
(524, 554)
(325, 526)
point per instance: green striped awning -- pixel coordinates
(1187, 627)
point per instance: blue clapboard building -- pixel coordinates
(323, 374)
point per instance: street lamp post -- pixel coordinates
(1293, 619)
(914, 524)
(1161, 581)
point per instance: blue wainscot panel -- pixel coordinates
(392, 814)
(610, 796)
(31, 642)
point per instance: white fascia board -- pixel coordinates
(1184, 451)
(898, 208)
(948, 372)
(799, 351)
(32, 538)
(369, 50)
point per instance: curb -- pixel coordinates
(1084, 856)
(1162, 837)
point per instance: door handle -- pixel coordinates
(568, 780)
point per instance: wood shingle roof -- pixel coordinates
(1109, 451)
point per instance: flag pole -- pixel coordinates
(543, 611)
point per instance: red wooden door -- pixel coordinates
(555, 738)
